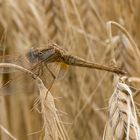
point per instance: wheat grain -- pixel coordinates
(55, 20)
(122, 122)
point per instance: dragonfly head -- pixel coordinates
(32, 55)
(37, 55)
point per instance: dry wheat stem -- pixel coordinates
(39, 82)
(82, 27)
(10, 65)
(88, 99)
(48, 111)
(8, 133)
(53, 127)
(109, 23)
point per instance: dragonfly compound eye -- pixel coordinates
(32, 56)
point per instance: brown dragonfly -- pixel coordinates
(38, 60)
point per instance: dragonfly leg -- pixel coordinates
(50, 72)
(49, 88)
(54, 77)
(39, 72)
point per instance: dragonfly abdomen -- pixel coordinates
(74, 60)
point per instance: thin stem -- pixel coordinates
(34, 76)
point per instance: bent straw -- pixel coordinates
(52, 125)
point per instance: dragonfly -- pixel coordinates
(38, 60)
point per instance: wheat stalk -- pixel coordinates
(54, 130)
(7, 132)
(122, 115)
(53, 127)
(124, 44)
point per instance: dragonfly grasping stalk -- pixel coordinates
(56, 54)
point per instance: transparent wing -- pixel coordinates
(46, 74)
(19, 60)
(51, 72)
(9, 84)
(15, 82)
(62, 71)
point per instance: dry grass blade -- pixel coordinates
(52, 125)
(123, 122)
(7, 132)
(124, 44)
(123, 30)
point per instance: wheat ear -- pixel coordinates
(122, 122)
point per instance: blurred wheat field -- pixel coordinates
(79, 105)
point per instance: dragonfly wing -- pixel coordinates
(7, 70)
(53, 69)
(57, 69)
(48, 74)
(62, 71)
(14, 84)
(52, 72)
(11, 59)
